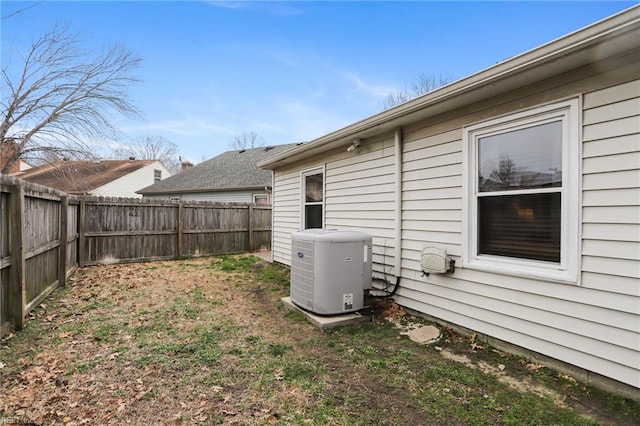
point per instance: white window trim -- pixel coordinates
(304, 173)
(261, 195)
(569, 111)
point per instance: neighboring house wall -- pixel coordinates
(221, 196)
(126, 186)
(593, 324)
(23, 165)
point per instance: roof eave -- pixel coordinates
(595, 42)
(198, 190)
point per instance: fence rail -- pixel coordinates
(45, 234)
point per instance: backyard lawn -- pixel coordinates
(207, 341)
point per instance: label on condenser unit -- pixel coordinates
(347, 301)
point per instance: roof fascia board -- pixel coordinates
(199, 190)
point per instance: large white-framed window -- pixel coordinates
(521, 186)
(313, 189)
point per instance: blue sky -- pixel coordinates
(291, 71)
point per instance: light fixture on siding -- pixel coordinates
(354, 145)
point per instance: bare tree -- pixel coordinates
(506, 172)
(59, 99)
(425, 83)
(151, 148)
(246, 141)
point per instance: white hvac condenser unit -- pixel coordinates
(330, 270)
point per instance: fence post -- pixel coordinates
(250, 227)
(17, 290)
(64, 238)
(180, 227)
(81, 237)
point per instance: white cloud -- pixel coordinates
(374, 90)
(305, 121)
(186, 127)
(270, 7)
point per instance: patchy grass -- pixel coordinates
(208, 341)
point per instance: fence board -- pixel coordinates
(64, 237)
(42, 245)
(72, 236)
(17, 297)
(5, 264)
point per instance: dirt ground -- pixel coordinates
(207, 341)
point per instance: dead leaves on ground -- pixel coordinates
(67, 373)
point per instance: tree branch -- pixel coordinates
(62, 97)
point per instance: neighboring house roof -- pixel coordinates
(605, 39)
(81, 177)
(6, 152)
(228, 171)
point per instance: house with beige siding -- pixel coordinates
(526, 174)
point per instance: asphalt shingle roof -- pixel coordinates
(81, 177)
(229, 170)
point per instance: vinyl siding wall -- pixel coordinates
(611, 198)
(220, 197)
(594, 324)
(358, 184)
(128, 184)
(286, 213)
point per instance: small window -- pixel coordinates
(313, 198)
(521, 212)
(261, 199)
(157, 175)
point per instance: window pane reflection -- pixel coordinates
(521, 159)
(313, 188)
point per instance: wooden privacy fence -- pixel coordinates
(131, 230)
(45, 234)
(38, 246)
